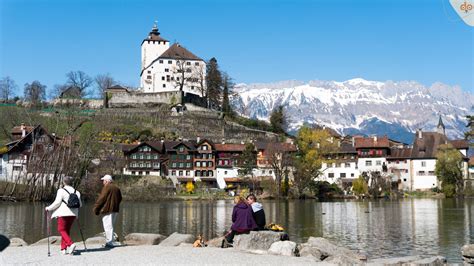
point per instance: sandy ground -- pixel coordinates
(140, 255)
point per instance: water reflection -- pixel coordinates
(380, 228)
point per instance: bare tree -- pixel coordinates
(103, 82)
(183, 74)
(80, 80)
(279, 157)
(7, 86)
(34, 92)
(199, 76)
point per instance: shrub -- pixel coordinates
(449, 190)
(360, 187)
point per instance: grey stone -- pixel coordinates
(18, 242)
(284, 248)
(99, 240)
(53, 240)
(186, 245)
(467, 251)
(342, 259)
(306, 250)
(328, 249)
(410, 260)
(141, 239)
(215, 242)
(176, 238)
(431, 261)
(257, 240)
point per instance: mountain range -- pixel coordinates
(360, 107)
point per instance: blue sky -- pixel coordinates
(254, 41)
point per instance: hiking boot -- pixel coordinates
(71, 248)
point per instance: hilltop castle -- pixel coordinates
(166, 68)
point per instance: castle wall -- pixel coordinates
(140, 99)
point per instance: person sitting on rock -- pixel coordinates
(258, 212)
(242, 221)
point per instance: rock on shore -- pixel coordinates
(467, 252)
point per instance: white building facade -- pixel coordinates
(166, 68)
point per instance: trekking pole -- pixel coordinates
(80, 231)
(48, 229)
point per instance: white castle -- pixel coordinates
(168, 68)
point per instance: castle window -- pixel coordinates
(177, 78)
(148, 77)
(188, 70)
(167, 70)
(188, 63)
(196, 64)
(149, 72)
(161, 61)
(163, 78)
(192, 87)
(170, 62)
(164, 85)
(330, 175)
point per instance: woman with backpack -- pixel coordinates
(66, 208)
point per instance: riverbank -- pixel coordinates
(139, 255)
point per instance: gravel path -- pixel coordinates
(140, 255)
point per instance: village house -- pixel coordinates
(204, 162)
(372, 153)
(340, 166)
(271, 155)
(399, 167)
(144, 159)
(30, 154)
(228, 164)
(180, 160)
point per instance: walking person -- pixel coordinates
(242, 221)
(257, 212)
(66, 209)
(108, 205)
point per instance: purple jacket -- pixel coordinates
(242, 219)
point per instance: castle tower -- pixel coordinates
(441, 128)
(153, 46)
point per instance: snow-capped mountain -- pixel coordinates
(359, 106)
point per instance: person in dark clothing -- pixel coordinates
(242, 221)
(257, 212)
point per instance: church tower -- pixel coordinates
(441, 128)
(153, 46)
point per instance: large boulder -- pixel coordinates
(141, 239)
(53, 240)
(342, 259)
(176, 238)
(96, 240)
(215, 242)
(410, 260)
(328, 249)
(467, 252)
(18, 242)
(306, 250)
(284, 248)
(257, 240)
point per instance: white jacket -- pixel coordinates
(60, 208)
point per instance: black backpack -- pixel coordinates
(73, 202)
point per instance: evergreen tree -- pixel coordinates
(249, 163)
(226, 108)
(278, 120)
(213, 83)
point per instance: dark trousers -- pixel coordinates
(230, 235)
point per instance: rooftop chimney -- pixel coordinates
(375, 139)
(198, 139)
(23, 130)
(353, 142)
(420, 134)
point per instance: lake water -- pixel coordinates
(381, 228)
